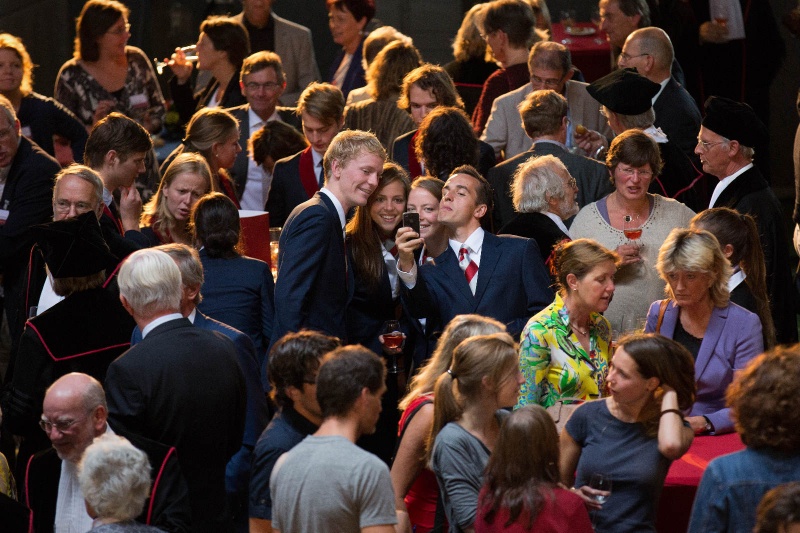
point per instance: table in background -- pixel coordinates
(591, 57)
(683, 477)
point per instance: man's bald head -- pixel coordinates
(73, 414)
(657, 45)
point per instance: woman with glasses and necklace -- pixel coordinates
(634, 223)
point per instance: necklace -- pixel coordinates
(579, 330)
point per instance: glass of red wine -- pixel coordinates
(632, 229)
(392, 340)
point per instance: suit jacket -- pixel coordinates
(28, 197)
(187, 102)
(167, 507)
(382, 117)
(733, 337)
(45, 117)
(591, 176)
(290, 187)
(513, 285)
(239, 170)
(182, 386)
(294, 45)
(402, 152)
(121, 243)
(314, 284)
(355, 72)
(539, 227)
(257, 417)
(678, 116)
(750, 193)
(504, 128)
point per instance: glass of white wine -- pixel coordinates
(600, 482)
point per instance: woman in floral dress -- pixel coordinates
(564, 349)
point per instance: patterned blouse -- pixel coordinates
(554, 363)
(79, 92)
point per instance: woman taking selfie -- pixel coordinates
(632, 436)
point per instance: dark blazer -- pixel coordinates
(46, 117)
(288, 190)
(402, 152)
(678, 116)
(257, 416)
(539, 227)
(355, 72)
(169, 495)
(513, 285)
(680, 179)
(121, 243)
(750, 193)
(239, 292)
(239, 170)
(314, 285)
(186, 102)
(733, 337)
(183, 386)
(591, 176)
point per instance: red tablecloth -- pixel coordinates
(684, 477)
(590, 53)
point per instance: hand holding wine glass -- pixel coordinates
(392, 339)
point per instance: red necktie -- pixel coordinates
(467, 265)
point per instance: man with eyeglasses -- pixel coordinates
(262, 82)
(73, 415)
(650, 52)
(728, 134)
(549, 67)
(544, 117)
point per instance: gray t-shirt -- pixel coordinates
(330, 484)
(458, 460)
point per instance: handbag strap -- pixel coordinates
(661, 310)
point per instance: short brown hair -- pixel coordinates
(551, 56)
(295, 359)
(446, 140)
(358, 8)
(542, 113)
(228, 35)
(344, 373)
(323, 101)
(578, 258)
(763, 399)
(636, 149)
(431, 78)
(260, 61)
(514, 18)
(277, 140)
(119, 133)
(385, 74)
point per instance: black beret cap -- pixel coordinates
(735, 121)
(624, 91)
(73, 247)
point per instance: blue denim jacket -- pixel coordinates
(732, 487)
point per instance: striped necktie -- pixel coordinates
(467, 265)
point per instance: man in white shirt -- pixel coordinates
(725, 144)
(262, 82)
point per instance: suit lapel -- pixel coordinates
(308, 175)
(490, 254)
(710, 340)
(448, 262)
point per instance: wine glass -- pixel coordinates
(719, 12)
(191, 57)
(600, 482)
(392, 338)
(632, 229)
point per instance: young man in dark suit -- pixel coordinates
(295, 179)
(315, 284)
(500, 277)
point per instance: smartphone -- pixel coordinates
(411, 220)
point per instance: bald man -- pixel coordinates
(650, 52)
(73, 414)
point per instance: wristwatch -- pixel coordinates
(709, 425)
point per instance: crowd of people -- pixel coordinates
(498, 288)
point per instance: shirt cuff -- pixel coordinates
(408, 278)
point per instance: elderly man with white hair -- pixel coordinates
(180, 385)
(544, 195)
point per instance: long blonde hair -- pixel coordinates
(460, 328)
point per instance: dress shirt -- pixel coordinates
(560, 223)
(736, 279)
(108, 197)
(48, 297)
(474, 244)
(663, 84)
(391, 269)
(725, 182)
(256, 188)
(158, 321)
(336, 203)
